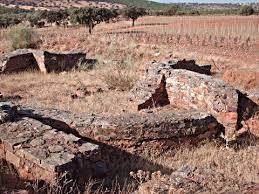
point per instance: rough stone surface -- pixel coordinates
(163, 85)
(50, 141)
(202, 92)
(27, 59)
(130, 132)
(153, 80)
(189, 179)
(39, 150)
(18, 61)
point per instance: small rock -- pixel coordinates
(56, 148)
(86, 147)
(70, 138)
(37, 142)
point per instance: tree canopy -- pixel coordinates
(90, 17)
(246, 10)
(134, 13)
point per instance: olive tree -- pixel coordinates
(7, 20)
(134, 13)
(246, 10)
(90, 17)
(57, 17)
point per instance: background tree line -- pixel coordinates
(90, 17)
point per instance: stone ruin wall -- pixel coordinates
(46, 62)
(35, 140)
(169, 84)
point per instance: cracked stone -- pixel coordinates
(37, 142)
(55, 148)
(71, 138)
(86, 147)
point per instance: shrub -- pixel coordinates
(7, 20)
(119, 76)
(246, 10)
(23, 37)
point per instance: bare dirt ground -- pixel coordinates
(229, 43)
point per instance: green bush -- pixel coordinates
(23, 37)
(246, 10)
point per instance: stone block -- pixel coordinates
(13, 159)
(18, 61)
(185, 88)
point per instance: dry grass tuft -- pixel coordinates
(23, 37)
(241, 165)
(118, 75)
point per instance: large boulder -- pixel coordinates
(153, 80)
(163, 85)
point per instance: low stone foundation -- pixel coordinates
(130, 132)
(44, 61)
(18, 61)
(42, 143)
(162, 85)
(40, 151)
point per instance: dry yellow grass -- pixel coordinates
(241, 165)
(55, 90)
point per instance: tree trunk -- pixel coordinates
(133, 22)
(90, 27)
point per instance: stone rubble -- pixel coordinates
(43, 143)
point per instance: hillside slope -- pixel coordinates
(140, 3)
(52, 4)
(59, 4)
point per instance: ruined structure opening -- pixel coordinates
(159, 98)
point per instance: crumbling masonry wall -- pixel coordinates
(40, 151)
(27, 59)
(192, 89)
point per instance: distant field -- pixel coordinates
(223, 28)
